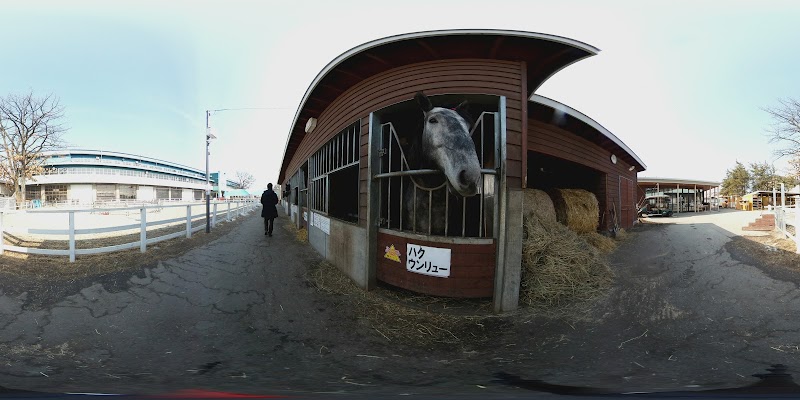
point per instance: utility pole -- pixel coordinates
(209, 136)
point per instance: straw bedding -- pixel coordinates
(559, 266)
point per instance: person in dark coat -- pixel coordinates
(269, 199)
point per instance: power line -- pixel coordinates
(250, 108)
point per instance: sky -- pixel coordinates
(682, 83)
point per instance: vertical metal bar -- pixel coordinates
(463, 216)
(483, 164)
(401, 203)
(2, 241)
(430, 211)
(389, 187)
(415, 207)
(483, 197)
(446, 212)
(347, 152)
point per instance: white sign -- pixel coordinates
(322, 222)
(433, 261)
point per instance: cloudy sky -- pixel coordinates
(683, 84)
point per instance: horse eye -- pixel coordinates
(433, 121)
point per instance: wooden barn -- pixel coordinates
(350, 177)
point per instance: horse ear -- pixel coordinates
(463, 110)
(423, 101)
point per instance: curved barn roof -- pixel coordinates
(544, 55)
(597, 133)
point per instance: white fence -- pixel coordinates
(52, 225)
(786, 217)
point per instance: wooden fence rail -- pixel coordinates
(232, 210)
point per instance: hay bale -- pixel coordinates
(537, 203)
(600, 242)
(576, 208)
(559, 266)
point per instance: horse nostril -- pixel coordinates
(462, 178)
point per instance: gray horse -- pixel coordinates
(444, 144)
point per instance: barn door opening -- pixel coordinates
(410, 203)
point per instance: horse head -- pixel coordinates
(447, 144)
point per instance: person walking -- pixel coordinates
(269, 199)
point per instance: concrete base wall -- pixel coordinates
(347, 250)
(345, 246)
(318, 240)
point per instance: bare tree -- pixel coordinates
(29, 126)
(785, 129)
(244, 179)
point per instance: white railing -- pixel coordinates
(228, 210)
(785, 217)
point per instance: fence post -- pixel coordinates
(797, 228)
(228, 214)
(143, 230)
(188, 222)
(214, 217)
(72, 236)
(2, 235)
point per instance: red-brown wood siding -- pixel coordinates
(524, 140)
(502, 78)
(471, 268)
(551, 140)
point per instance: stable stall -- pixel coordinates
(352, 178)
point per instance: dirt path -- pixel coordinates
(240, 314)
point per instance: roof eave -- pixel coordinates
(589, 121)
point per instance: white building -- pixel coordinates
(79, 176)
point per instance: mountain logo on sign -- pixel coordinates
(392, 253)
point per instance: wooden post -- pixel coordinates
(188, 222)
(2, 241)
(214, 216)
(796, 226)
(143, 230)
(72, 236)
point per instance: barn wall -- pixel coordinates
(473, 76)
(472, 266)
(551, 140)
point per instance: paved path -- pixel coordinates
(237, 314)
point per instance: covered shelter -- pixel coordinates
(765, 199)
(686, 195)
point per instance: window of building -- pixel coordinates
(127, 192)
(106, 192)
(55, 193)
(333, 174)
(33, 192)
(162, 193)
